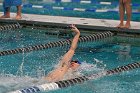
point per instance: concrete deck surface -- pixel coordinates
(73, 20)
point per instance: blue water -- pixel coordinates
(87, 14)
(112, 52)
(25, 37)
(68, 12)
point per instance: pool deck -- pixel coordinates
(85, 23)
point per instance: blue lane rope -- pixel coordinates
(91, 2)
(93, 37)
(75, 9)
(71, 82)
(29, 5)
(85, 2)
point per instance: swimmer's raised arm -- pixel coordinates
(59, 72)
(76, 37)
(68, 56)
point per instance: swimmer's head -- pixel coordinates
(75, 64)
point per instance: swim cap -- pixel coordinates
(76, 61)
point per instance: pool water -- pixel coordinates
(90, 13)
(87, 14)
(18, 70)
(25, 37)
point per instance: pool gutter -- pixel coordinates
(82, 23)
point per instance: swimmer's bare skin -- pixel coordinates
(65, 64)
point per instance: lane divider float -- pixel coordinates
(93, 37)
(78, 80)
(10, 27)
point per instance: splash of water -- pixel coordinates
(10, 82)
(89, 69)
(20, 70)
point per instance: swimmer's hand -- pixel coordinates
(75, 29)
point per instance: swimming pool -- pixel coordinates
(23, 38)
(18, 70)
(76, 8)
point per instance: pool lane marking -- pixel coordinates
(29, 5)
(10, 27)
(80, 9)
(93, 37)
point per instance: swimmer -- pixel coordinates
(125, 5)
(67, 67)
